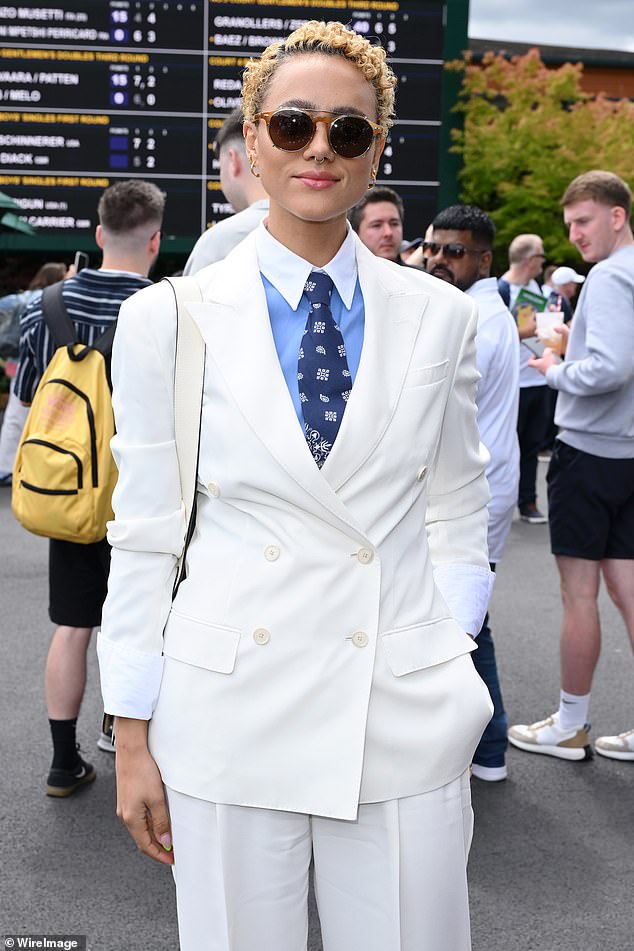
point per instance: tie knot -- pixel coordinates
(318, 288)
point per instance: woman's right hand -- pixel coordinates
(141, 801)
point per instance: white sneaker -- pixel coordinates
(490, 774)
(546, 736)
(616, 747)
(106, 741)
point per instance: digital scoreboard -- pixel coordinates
(92, 91)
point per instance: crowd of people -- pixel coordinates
(347, 402)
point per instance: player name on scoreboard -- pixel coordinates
(92, 90)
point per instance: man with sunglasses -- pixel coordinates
(244, 191)
(526, 260)
(460, 252)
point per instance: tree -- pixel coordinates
(527, 132)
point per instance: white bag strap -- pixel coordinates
(189, 378)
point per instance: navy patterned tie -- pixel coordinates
(323, 377)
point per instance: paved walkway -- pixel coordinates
(551, 866)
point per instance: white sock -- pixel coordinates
(573, 710)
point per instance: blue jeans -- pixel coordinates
(492, 745)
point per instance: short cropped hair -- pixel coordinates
(329, 39)
(129, 205)
(602, 187)
(380, 193)
(522, 247)
(467, 218)
(230, 130)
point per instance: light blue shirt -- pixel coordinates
(284, 275)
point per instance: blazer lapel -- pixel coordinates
(392, 321)
(234, 322)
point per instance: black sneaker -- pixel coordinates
(64, 782)
(530, 513)
(106, 739)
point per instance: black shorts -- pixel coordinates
(77, 582)
(590, 504)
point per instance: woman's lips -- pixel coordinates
(317, 180)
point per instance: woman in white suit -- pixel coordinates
(309, 692)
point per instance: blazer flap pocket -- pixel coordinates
(200, 643)
(425, 645)
(423, 376)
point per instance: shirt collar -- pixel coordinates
(288, 273)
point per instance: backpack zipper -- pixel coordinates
(91, 424)
(67, 452)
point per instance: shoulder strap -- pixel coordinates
(62, 328)
(56, 316)
(189, 375)
(504, 290)
(104, 343)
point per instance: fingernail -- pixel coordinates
(166, 841)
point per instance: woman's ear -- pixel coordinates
(249, 132)
(378, 151)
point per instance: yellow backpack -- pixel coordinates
(64, 473)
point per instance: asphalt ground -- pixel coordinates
(552, 862)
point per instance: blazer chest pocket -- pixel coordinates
(423, 376)
(424, 645)
(201, 644)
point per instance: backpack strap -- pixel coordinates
(189, 378)
(504, 290)
(104, 343)
(56, 317)
(62, 328)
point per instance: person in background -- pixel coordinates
(591, 473)
(565, 283)
(15, 413)
(378, 220)
(461, 252)
(526, 260)
(243, 189)
(129, 236)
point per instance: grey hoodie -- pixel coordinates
(595, 406)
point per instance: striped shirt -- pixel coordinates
(92, 299)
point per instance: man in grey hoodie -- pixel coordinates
(591, 475)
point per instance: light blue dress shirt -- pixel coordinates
(284, 275)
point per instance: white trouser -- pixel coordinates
(392, 880)
(12, 425)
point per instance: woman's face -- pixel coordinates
(299, 187)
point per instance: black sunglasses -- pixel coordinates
(294, 129)
(456, 251)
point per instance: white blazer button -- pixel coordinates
(365, 555)
(271, 553)
(214, 490)
(360, 639)
(261, 636)
(422, 472)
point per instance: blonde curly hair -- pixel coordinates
(330, 39)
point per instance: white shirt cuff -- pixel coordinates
(130, 680)
(466, 590)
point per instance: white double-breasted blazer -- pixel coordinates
(313, 658)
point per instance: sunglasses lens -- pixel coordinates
(431, 249)
(291, 130)
(351, 136)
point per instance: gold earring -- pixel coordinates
(253, 167)
(372, 181)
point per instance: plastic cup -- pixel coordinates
(547, 320)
